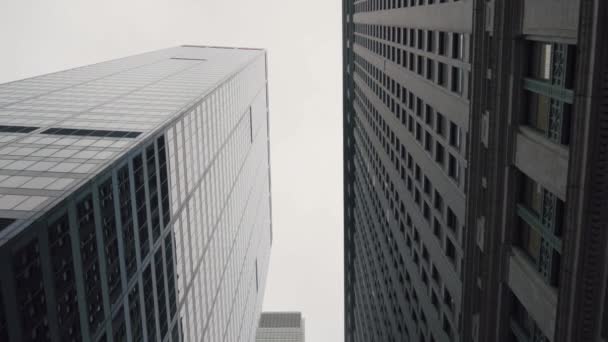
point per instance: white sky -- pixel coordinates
(303, 40)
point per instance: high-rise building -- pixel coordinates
(134, 199)
(280, 327)
(537, 241)
(406, 85)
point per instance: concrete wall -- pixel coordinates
(556, 18)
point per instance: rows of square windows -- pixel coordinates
(413, 48)
(437, 123)
(405, 220)
(381, 5)
(415, 314)
(425, 256)
(427, 126)
(442, 43)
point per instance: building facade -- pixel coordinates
(135, 199)
(537, 242)
(280, 327)
(406, 120)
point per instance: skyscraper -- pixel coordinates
(527, 246)
(406, 119)
(134, 199)
(280, 327)
(537, 241)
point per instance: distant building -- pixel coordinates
(135, 199)
(280, 327)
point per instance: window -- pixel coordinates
(540, 60)
(17, 129)
(452, 221)
(420, 39)
(442, 78)
(454, 135)
(437, 229)
(428, 142)
(430, 69)
(440, 124)
(539, 107)
(532, 195)
(427, 186)
(438, 204)
(456, 85)
(532, 232)
(453, 167)
(439, 153)
(442, 42)
(529, 240)
(457, 45)
(419, 107)
(450, 250)
(420, 67)
(521, 318)
(412, 37)
(428, 119)
(91, 133)
(412, 61)
(430, 41)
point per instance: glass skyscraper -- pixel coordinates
(135, 199)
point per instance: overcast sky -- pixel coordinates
(303, 42)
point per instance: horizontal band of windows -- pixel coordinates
(92, 133)
(17, 129)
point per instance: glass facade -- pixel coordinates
(135, 199)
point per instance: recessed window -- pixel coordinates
(430, 41)
(453, 168)
(540, 60)
(439, 153)
(442, 78)
(457, 45)
(441, 43)
(456, 84)
(450, 250)
(430, 69)
(454, 135)
(439, 124)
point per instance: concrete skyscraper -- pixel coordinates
(280, 327)
(135, 199)
(536, 262)
(475, 170)
(406, 118)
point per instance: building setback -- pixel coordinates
(406, 119)
(135, 199)
(536, 265)
(280, 327)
